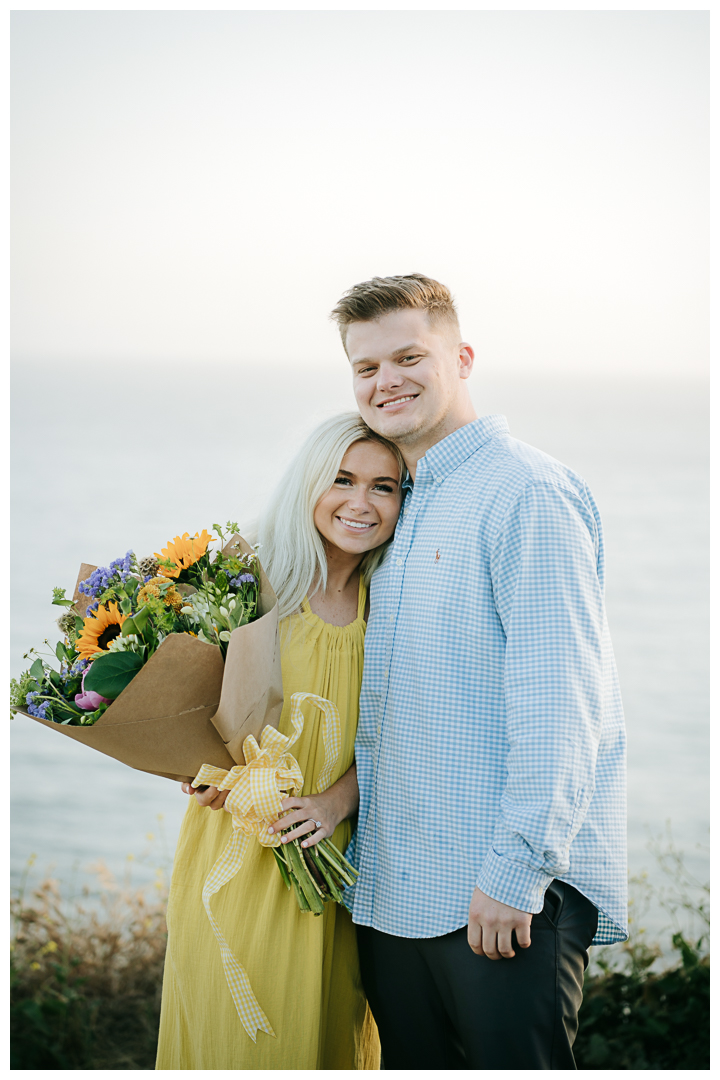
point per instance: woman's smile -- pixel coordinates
(358, 526)
(359, 511)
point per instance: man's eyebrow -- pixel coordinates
(397, 352)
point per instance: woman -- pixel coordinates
(325, 532)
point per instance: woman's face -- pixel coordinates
(360, 510)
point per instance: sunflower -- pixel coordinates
(183, 551)
(99, 630)
(171, 597)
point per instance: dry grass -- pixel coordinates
(86, 976)
(87, 979)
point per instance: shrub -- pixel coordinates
(633, 1017)
(85, 982)
(638, 1019)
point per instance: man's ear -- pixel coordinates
(467, 358)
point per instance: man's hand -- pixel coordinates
(491, 924)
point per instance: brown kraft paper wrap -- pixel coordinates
(186, 708)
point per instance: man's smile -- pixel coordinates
(392, 403)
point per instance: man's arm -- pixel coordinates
(549, 597)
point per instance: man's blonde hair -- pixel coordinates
(379, 296)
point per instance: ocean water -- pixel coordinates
(126, 456)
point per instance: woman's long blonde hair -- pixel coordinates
(291, 548)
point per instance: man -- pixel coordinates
(491, 748)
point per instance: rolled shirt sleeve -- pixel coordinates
(547, 576)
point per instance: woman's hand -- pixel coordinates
(329, 809)
(305, 813)
(207, 795)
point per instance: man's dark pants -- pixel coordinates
(440, 1006)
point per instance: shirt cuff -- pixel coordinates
(512, 884)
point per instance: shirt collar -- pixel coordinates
(444, 457)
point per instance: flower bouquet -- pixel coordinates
(167, 662)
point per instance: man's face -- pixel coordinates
(407, 376)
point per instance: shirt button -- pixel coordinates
(399, 562)
(379, 728)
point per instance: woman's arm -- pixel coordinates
(334, 805)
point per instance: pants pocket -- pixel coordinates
(552, 905)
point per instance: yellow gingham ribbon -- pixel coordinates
(255, 801)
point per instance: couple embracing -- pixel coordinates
(442, 584)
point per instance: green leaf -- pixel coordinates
(62, 716)
(140, 619)
(60, 599)
(109, 675)
(79, 625)
(38, 671)
(60, 651)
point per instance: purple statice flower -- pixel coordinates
(123, 565)
(37, 710)
(96, 583)
(102, 577)
(91, 608)
(241, 579)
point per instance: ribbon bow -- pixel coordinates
(256, 791)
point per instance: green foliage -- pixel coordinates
(38, 671)
(156, 620)
(226, 532)
(138, 622)
(60, 598)
(58, 691)
(637, 1019)
(111, 673)
(633, 1017)
(19, 689)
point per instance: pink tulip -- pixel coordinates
(88, 699)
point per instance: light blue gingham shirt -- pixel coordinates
(491, 743)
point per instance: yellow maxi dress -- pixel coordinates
(303, 969)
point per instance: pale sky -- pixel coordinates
(204, 185)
